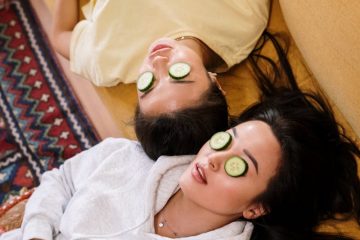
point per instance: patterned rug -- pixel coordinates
(41, 123)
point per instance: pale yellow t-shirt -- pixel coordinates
(109, 46)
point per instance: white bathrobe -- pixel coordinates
(111, 191)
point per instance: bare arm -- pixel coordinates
(65, 19)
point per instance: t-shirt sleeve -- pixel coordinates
(87, 46)
(241, 35)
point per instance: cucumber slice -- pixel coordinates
(220, 140)
(235, 167)
(145, 81)
(179, 70)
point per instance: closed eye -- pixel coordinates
(146, 93)
(253, 160)
(247, 153)
(181, 81)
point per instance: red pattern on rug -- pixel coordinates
(41, 122)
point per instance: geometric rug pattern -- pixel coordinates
(41, 121)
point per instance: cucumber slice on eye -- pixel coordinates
(179, 70)
(145, 81)
(220, 140)
(235, 167)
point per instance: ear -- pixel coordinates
(213, 77)
(254, 211)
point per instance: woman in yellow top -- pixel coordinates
(119, 41)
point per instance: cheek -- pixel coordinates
(235, 195)
(230, 196)
(145, 66)
(221, 197)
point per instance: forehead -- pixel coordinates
(255, 133)
(258, 138)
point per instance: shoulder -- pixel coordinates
(112, 154)
(111, 145)
(114, 146)
(118, 142)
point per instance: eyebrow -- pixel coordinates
(181, 81)
(247, 153)
(234, 131)
(253, 160)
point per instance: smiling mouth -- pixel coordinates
(201, 174)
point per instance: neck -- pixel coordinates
(184, 218)
(209, 57)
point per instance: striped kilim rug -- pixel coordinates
(41, 122)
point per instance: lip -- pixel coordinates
(199, 174)
(160, 46)
(159, 50)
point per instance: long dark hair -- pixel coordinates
(183, 131)
(317, 178)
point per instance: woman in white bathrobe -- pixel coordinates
(282, 169)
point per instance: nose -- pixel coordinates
(160, 66)
(215, 161)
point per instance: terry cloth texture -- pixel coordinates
(111, 191)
